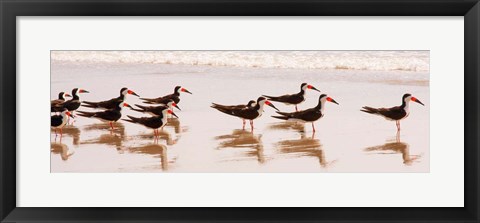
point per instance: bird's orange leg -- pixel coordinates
(243, 127)
(251, 124)
(313, 126)
(296, 109)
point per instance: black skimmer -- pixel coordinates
(308, 115)
(112, 103)
(396, 113)
(155, 122)
(61, 99)
(110, 115)
(293, 99)
(156, 110)
(58, 121)
(165, 99)
(249, 113)
(73, 104)
(251, 103)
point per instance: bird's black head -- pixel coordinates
(409, 97)
(265, 101)
(121, 104)
(326, 98)
(177, 89)
(123, 89)
(251, 103)
(261, 99)
(60, 95)
(76, 90)
(303, 85)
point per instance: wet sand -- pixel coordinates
(205, 140)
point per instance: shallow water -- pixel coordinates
(205, 140)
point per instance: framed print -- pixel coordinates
(239, 111)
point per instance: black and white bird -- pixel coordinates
(109, 104)
(72, 104)
(110, 115)
(58, 121)
(165, 99)
(293, 99)
(155, 122)
(396, 113)
(61, 99)
(155, 110)
(246, 113)
(309, 115)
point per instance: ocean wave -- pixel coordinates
(324, 60)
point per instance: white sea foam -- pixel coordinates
(324, 60)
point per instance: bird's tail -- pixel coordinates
(131, 119)
(369, 110)
(128, 120)
(142, 108)
(148, 100)
(280, 117)
(89, 104)
(273, 98)
(226, 111)
(217, 106)
(284, 113)
(85, 114)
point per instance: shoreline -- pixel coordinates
(205, 140)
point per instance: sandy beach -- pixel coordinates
(205, 140)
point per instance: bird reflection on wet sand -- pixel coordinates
(114, 138)
(154, 149)
(175, 124)
(74, 132)
(305, 147)
(62, 149)
(395, 146)
(243, 139)
(162, 135)
(288, 125)
(119, 128)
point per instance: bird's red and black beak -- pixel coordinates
(176, 106)
(171, 112)
(331, 100)
(83, 91)
(312, 87)
(127, 105)
(416, 100)
(185, 90)
(70, 114)
(67, 95)
(271, 105)
(133, 93)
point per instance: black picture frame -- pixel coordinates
(10, 9)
